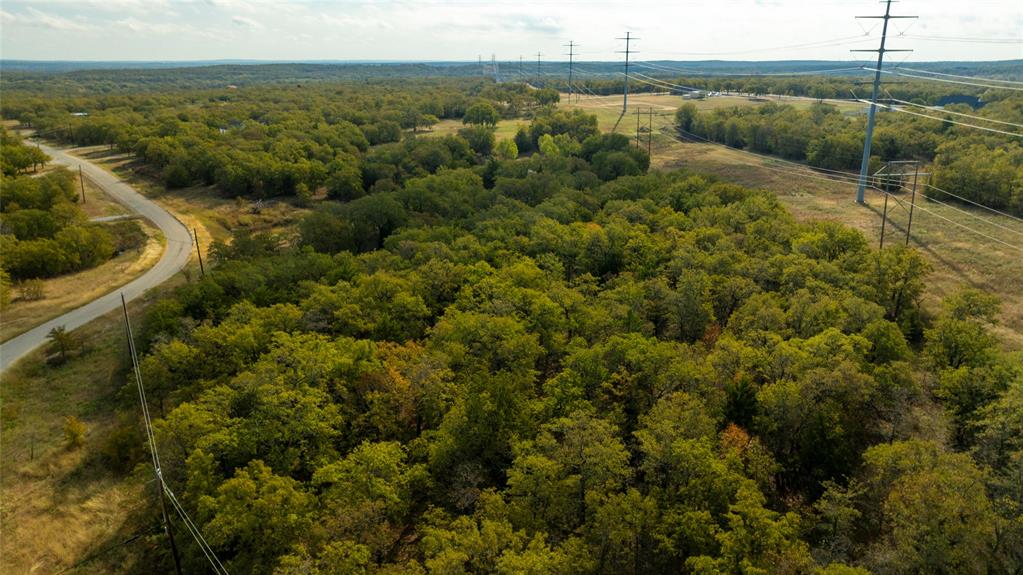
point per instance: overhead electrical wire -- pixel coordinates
(960, 82)
(1014, 82)
(218, 567)
(982, 118)
(900, 110)
(851, 180)
(964, 39)
(969, 201)
(819, 44)
(655, 64)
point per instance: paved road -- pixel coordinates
(175, 256)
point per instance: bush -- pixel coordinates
(32, 290)
(74, 432)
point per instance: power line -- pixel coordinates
(894, 109)
(690, 71)
(955, 223)
(218, 567)
(818, 44)
(975, 216)
(965, 39)
(690, 88)
(854, 181)
(964, 77)
(655, 82)
(867, 140)
(969, 201)
(946, 80)
(982, 118)
(150, 436)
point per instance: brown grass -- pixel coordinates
(58, 506)
(97, 203)
(609, 108)
(505, 128)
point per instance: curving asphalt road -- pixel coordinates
(175, 256)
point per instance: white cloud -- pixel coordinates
(37, 18)
(355, 22)
(244, 22)
(137, 26)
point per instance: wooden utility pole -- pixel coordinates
(638, 112)
(650, 131)
(912, 201)
(81, 180)
(198, 252)
(884, 220)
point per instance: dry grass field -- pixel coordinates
(63, 509)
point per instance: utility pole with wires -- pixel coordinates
(571, 58)
(638, 112)
(198, 252)
(912, 200)
(625, 93)
(493, 65)
(160, 485)
(81, 180)
(538, 54)
(650, 132)
(864, 165)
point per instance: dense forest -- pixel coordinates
(43, 231)
(655, 374)
(535, 356)
(287, 141)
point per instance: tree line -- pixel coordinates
(982, 167)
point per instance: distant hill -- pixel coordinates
(1008, 68)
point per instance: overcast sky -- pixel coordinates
(464, 29)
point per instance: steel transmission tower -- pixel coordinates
(571, 57)
(864, 165)
(625, 94)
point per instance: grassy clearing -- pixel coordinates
(609, 108)
(505, 128)
(62, 507)
(67, 292)
(960, 258)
